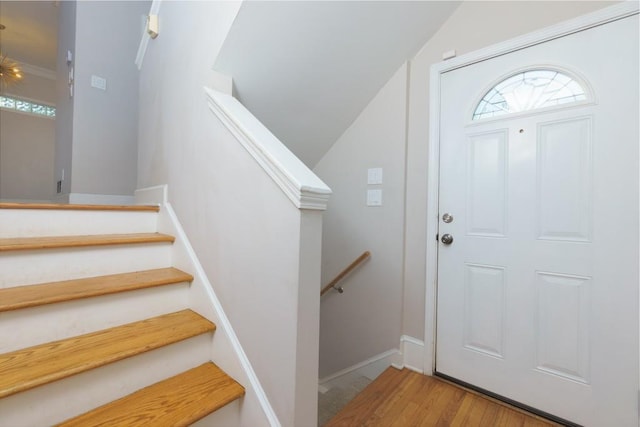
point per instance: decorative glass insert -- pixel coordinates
(529, 90)
(29, 107)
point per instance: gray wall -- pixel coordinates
(105, 123)
(64, 104)
(97, 133)
(27, 144)
(26, 156)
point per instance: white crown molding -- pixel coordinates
(581, 23)
(296, 180)
(35, 70)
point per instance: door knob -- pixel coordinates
(447, 218)
(447, 239)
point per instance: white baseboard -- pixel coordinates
(410, 356)
(369, 368)
(98, 199)
(412, 350)
(61, 199)
(25, 200)
(156, 195)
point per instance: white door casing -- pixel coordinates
(538, 294)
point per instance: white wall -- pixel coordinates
(27, 144)
(248, 235)
(374, 321)
(365, 320)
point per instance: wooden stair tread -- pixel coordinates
(31, 243)
(34, 366)
(72, 207)
(177, 401)
(68, 290)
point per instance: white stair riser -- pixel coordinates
(31, 267)
(228, 415)
(41, 223)
(63, 399)
(37, 325)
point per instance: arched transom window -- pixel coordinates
(529, 90)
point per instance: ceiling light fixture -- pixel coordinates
(9, 71)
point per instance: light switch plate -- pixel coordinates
(374, 197)
(98, 82)
(374, 176)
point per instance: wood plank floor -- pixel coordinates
(405, 398)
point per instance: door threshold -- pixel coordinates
(506, 401)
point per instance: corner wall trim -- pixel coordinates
(156, 195)
(295, 179)
(412, 350)
(144, 42)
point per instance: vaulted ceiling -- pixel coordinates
(306, 69)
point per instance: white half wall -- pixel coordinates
(259, 250)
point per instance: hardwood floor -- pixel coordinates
(405, 398)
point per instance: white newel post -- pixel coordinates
(307, 360)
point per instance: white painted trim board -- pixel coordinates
(97, 199)
(409, 355)
(144, 42)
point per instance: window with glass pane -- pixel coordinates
(7, 102)
(529, 90)
(24, 106)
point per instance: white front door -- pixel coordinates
(538, 291)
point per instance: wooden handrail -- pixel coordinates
(343, 273)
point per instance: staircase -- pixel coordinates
(95, 323)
